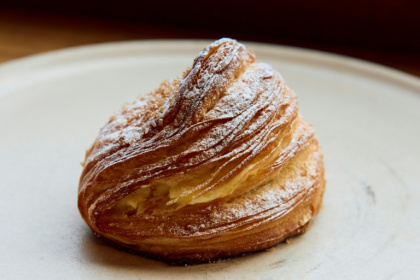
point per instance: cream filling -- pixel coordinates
(148, 195)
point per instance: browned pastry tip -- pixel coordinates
(212, 164)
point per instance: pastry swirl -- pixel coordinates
(212, 164)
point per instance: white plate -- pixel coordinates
(366, 118)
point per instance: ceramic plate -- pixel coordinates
(366, 117)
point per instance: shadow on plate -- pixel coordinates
(101, 252)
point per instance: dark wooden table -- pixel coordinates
(28, 33)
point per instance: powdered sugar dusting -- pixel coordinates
(197, 139)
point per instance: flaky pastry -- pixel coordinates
(215, 163)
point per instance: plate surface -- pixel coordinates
(366, 117)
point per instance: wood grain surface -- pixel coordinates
(28, 33)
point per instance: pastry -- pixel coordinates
(212, 164)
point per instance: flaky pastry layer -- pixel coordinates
(213, 164)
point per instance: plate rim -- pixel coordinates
(55, 59)
(71, 55)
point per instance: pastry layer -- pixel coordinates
(212, 164)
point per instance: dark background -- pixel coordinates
(386, 31)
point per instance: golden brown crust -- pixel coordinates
(213, 164)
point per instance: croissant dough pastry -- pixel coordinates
(215, 163)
